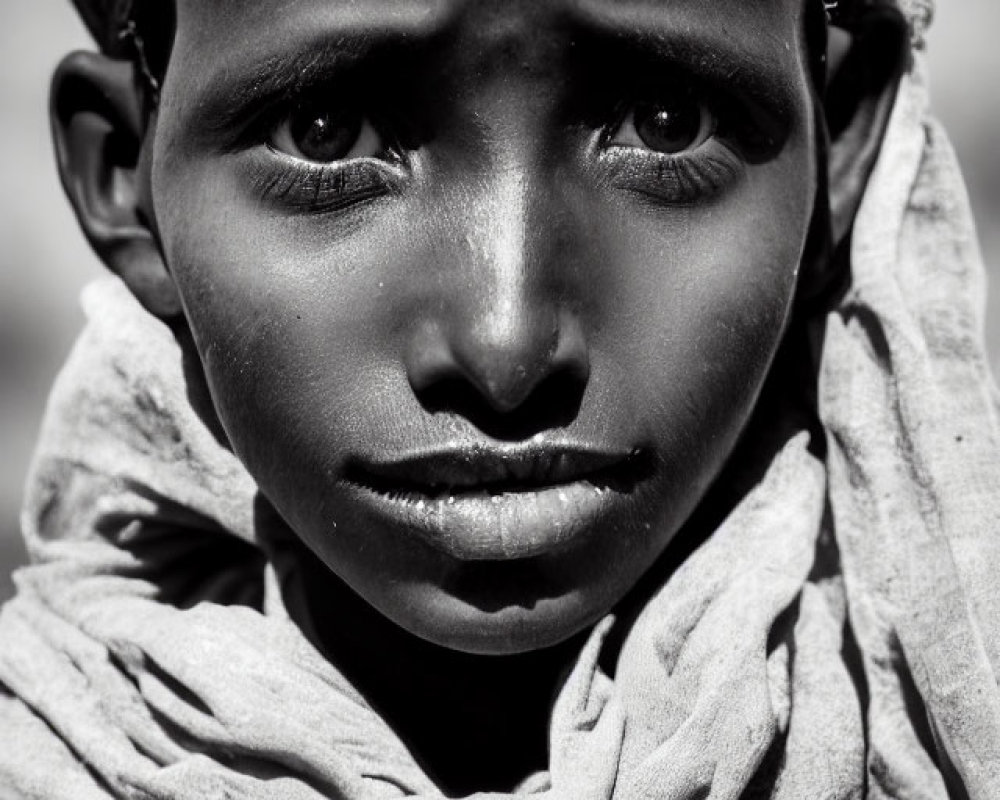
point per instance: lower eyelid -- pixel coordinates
(685, 179)
(290, 161)
(297, 185)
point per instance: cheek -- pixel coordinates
(297, 324)
(697, 305)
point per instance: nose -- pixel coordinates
(506, 347)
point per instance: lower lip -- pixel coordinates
(472, 526)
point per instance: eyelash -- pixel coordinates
(300, 185)
(678, 179)
(685, 178)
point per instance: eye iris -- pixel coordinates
(325, 136)
(668, 126)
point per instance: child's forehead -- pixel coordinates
(744, 20)
(392, 12)
(756, 41)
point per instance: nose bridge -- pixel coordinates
(509, 311)
(505, 329)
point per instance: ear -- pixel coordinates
(866, 58)
(866, 54)
(99, 126)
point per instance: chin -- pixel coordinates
(501, 572)
(506, 607)
(452, 623)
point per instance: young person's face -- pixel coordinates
(485, 291)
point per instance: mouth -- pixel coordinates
(502, 502)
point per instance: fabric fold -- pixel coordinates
(906, 398)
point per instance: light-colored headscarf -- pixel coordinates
(838, 637)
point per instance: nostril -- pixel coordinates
(553, 402)
(531, 379)
(430, 362)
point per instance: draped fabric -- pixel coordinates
(838, 636)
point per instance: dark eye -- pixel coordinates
(324, 135)
(673, 123)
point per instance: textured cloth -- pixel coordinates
(837, 637)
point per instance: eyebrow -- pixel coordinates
(674, 34)
(758, 66)
(235, 96)
(250, 79)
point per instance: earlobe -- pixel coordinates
(98, 127)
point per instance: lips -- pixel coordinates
(501, 501)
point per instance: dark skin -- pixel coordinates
(484, 295)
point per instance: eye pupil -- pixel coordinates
(668, 126)
(325, 136)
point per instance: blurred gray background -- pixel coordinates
(44, 260)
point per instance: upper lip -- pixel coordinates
(490, 467)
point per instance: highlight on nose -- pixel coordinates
(511, 382)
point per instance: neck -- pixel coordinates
(473, 722)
